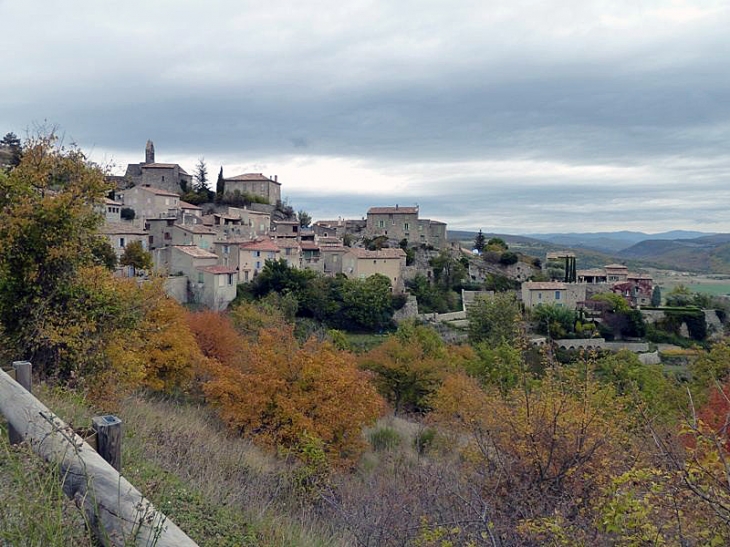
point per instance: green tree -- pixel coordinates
(367, 303)
(656, 296)
(136, 256)
(679, 296)
(494, 320)
(220, 185)
(408, 367)
(11, 151)
(480, 242)
(497, 244)
(616, 302)
(551, 319)
(201, 177)
(304, 218)
(50, 310)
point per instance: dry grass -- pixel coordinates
(33, 508)
(220, 489)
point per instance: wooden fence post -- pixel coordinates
(24, 376)
(109, 439)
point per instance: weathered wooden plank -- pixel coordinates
(23, 374)
(117, 512)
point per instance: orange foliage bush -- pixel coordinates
(284, 394)
(216, 337)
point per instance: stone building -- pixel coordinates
(568, 295)
(254, 184)
(361, 263)
(149, 202)
(398, 223)
(164, 176)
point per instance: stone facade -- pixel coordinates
(149, 202)
(255, 184)
(398, 223)
(569, 295)
(164, 176)
(361, 263)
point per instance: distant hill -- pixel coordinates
(708, 254)
(612, 242)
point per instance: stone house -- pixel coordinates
(193, 234)
(616, 273)
(163, 176)
(121, 234)
(255, 184)
(398, 223)
(311, 256)
(290, 251)
(259, 222)
(216, 286)
(149, 202)
(568, 295)
(159, 231)
(189, 213)
(361, 263)
(204, 281)
(338, 228)
(247, 257)
(112, 210)
(285, 229)
(331, 257)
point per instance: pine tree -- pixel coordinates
(201, 177)
(480, 242)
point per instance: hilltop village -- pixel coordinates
(207, 250)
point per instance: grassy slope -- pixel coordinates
(221, 491)
(33, 508)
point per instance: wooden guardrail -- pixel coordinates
(116, 511)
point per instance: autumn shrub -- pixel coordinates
(284, 394)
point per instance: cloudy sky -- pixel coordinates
(511, 116)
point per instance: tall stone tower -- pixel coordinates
(149, 153)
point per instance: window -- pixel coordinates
(557, 295)
(257, 254)
(539, 296)
(152, 240)
(230, 279)
(201, 277)
(226, 249)
(258, 265)
(405, 226)
(121, 242)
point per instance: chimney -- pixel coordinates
(396, 206)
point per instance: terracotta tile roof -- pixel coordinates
(186, 205)
(253, 176)
(616, 267)
(194, 251)
(108, 201)
(544, 285)
(114, 228)
(217, 270)
(287, 222)
(594, 273)
(391, 210)
(309, 246)
(334, 249)
(195, 228)
(263, 245)
(359, 252)
(286, 244)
